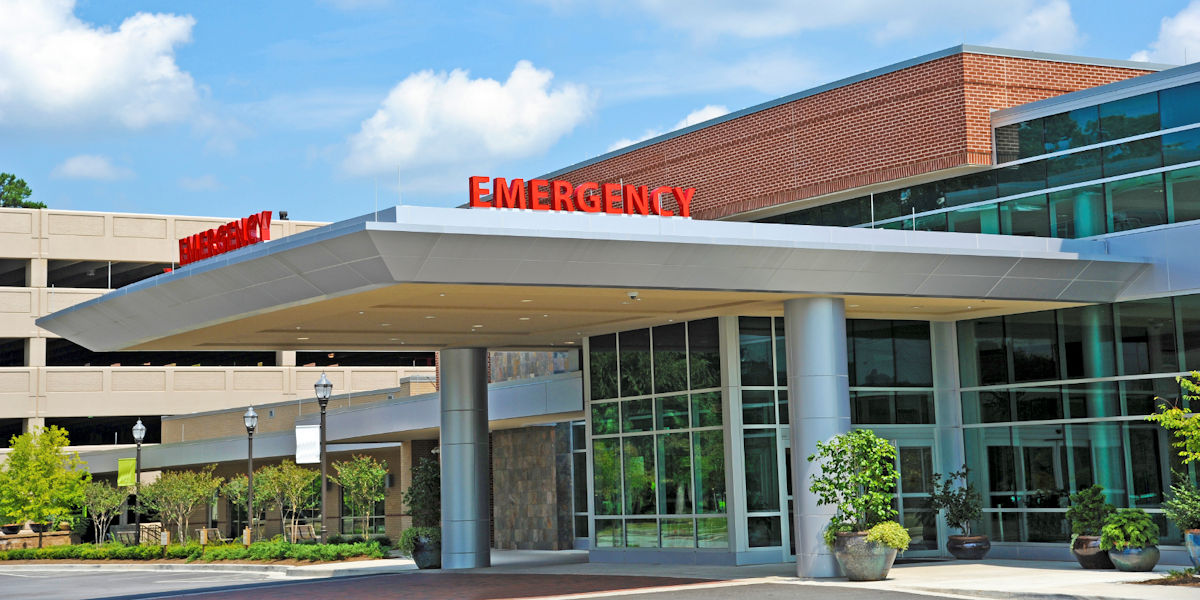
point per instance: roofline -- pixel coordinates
(892, 68)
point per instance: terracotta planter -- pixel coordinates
(1191, 539)
(968, 547)
(862, 560)
(1135, 559)
(1087, 552)
(427, 554)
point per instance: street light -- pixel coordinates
(139, 434)
(323, 388)
(251, 420)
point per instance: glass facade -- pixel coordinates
(1090, 171)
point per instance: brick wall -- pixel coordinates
(920, 119)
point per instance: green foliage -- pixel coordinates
(1183, 508)
(1128, 528)
(961, 501)
(857, 477)
(289, 488)
(408, 538)
(1177, 576)
(362, 479)
(41, 482)
(890, 534)
(103, 502)
(1184, 424)
(177, 493)
(261, 551)
(831, 531)
(424, 495)
(1089, 511)
(382, 540)
(13, 193)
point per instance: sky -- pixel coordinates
(329, 108)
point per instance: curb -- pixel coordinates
(226, 568)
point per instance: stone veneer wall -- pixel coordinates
(526, 494)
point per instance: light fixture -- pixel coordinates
(139, 431)
(527, 300)
(545, 315)
(430, 317)
(523, 319)
(302, 338)
(251, 420)
(477, 326)
(323, 388)
(385, 324)
(568, 342)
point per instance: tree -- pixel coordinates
(13, 193)
(41, 482)
(361, 479)
(858, 478)
(424, 495)
(177, 493)
(292, 486)
(235, 491)
(1184, 423)
(102, 502)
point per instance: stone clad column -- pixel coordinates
(466, 521)
(819, 406)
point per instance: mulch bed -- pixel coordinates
(1175, 581)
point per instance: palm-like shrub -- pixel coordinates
(1089, 511)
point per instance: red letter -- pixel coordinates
(477, 192)
(508, 196)
(609, 191)
(683, 197)
(185, 255)
(656, 199)
(252, 230)
(198, 250)
(561, 195)
(538, 196)
(219, 240)
(205, 244)
(264, 224)
(636, 200)
(585, 202)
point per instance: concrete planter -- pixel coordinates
(1191, 539)
(968, 547)
(427, 554)
(1087, 552)
(862, 560)
(1135, 559)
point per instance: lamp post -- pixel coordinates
(323, 388)
(251, 420)
(139, 434)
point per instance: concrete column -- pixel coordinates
(466, 522)
(947, 401)
(819, 405)
(33, 423)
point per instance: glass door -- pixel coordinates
(914, 462)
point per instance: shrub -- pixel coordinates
(858, 477)
(382, 540)
(962, 503)
(1089, 511)
(890, 534)
(1183, 508)
(1128, 528)
(408, 539)
(336, 539)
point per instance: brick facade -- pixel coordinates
(916, 120)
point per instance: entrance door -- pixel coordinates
(914, 462)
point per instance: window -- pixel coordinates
(99, 273)
(635, 362)
(1073, 168)
(98, 431)
(1129, 116)
(1136, 203)
(372, 524)
(602, 366)
(364, 359)
(1025, 216)
(1130, 157)
(65, 353)
(1181, 147)
(1074, 129)
(1018, 179)
(1180, 105)
(1077, 213)
(1183, 194)
(670, 358)
(978, 219)
(14, 272)
(757, 353)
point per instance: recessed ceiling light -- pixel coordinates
(430, 317)
(392, 339)
(385, 324)
(568, 342)
(442, 295)
(916, 307)
(477, 326)
(852, 305)
(545, 315)
(302, 338)
(297, 328)
(527, 300)
(524, 319)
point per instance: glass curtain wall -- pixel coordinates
(1056, 401)
(658, 452)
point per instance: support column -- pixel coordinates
(947, 401)
(466, 522)
(819, 405)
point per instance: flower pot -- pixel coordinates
(10, 529)
(1087, 552)
(968, 547)
(427, 554)
(1191, 539)
(39, 527)
(862, 560)
(1135, 559)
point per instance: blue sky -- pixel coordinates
(222, 108)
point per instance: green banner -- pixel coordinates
(126, 469)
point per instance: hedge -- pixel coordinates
(260, 551)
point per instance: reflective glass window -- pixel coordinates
(1130, 157)
(1074, 129)
(1087, 341)
(915, 408)
(1038, 404)
(1189, 314)
(1142, 396)
(758, 407)
(602, 366)
(1137, 202)
(635, 362)
(780, 354)
(913, 357)
(579, 483)
(1018, 179)
(706, 409)
(1025, 216)
(1034, 345)
(874, 360)
(1073, 168)
(1092, 400)
(610, 533)
(1180, 105)
(1183, 194)
(977, 219)
(675, 474)
(762, 470)
(1181, 147)
(641, 533)
(1147, 337)
(637, 415)
(934, 222)
(672, 412)
(1078, 213)
(605, 418)
(968, 189)
(712, 533)
(763, 532)
(754, 341)
(606, 472)
(678, 533)
(784, 417)
(1146, 463)
(887, 205)
(983, 352)
(1129, 116)
(919, 198)
(708, 451)
(704, 356)
(871, 408)
(638, 453)
(1020, 140)
(670, 358)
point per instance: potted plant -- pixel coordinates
(1183, 509)
(962, 504)
(858, 477)
(1130, 537)
(423, 541)
(1089, 510)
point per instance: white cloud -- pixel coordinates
(699, 115)
(203, 183)
(1178, 38)
(440, 127)
(90, 166)
(57, 71)
(1046, 28)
